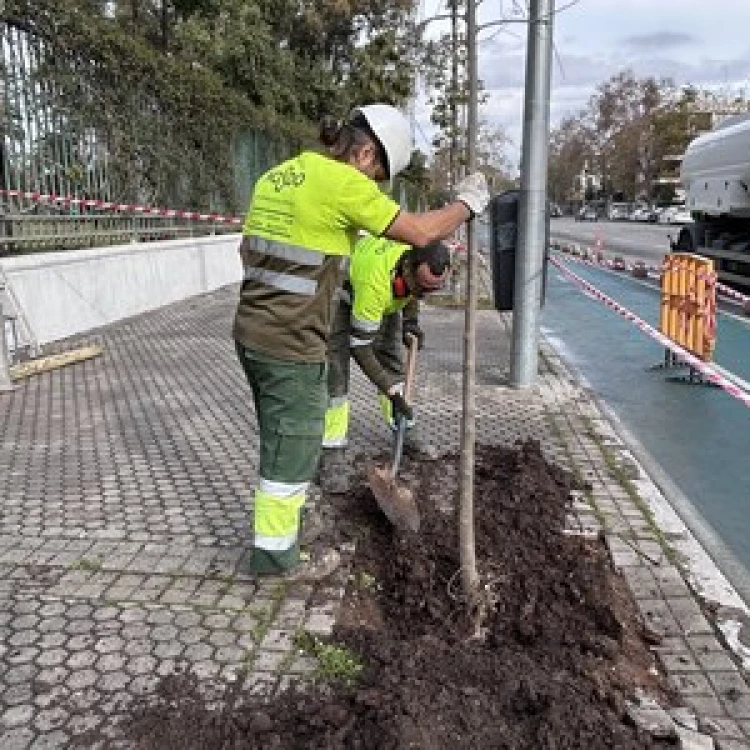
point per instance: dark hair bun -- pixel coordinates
(330, 129)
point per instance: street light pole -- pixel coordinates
(469, 575)
(453, 154)
(532, 211)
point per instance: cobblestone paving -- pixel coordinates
(125, 483)
(698, 666)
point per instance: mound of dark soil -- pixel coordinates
(559, 650)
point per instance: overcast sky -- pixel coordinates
(701, 42)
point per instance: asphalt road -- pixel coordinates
(631, 240)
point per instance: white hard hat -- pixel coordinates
(393, 131)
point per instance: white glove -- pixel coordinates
(399, 405)
(397, 388)
(473, 193)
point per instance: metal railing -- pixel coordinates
(26, 233)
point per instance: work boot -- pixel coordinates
(336, 471)
(319, 567)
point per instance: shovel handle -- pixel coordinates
(398, 447)
(411, 366)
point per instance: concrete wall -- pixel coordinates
(66, 293)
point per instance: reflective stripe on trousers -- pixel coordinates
(337, 423)
(277, 514)
(386, 409)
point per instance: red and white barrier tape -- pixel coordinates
(705, 369)
(598, 259)
(122, 207)
(733, 293)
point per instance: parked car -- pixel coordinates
(617, 211)
(587, 213)
(640, 213)
(681, 216)
(665, 214)
(675, 215)
(555, 211)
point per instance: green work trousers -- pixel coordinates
(290, 402)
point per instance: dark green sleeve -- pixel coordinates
(365, 357)
(411, 309)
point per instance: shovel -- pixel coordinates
(396, 501)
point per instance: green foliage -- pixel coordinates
(366, 582)
(306, 59)
(168, 126)
(174, 89)
(335, 663)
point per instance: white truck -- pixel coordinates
(715, 173)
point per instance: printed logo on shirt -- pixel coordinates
(284, 178)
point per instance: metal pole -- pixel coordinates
(469, 575)
(532, 210)
(453, 152)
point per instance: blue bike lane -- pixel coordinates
(698, 435)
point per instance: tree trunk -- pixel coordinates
(469, 575)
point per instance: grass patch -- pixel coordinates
(364, 581)
(335, 663)
(91, 566)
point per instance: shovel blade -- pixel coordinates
(396, 501)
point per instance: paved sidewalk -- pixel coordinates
(124, 486)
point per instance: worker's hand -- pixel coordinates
(410, 327)
(399, 403)
(472, 191)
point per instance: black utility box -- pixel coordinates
(503, 243)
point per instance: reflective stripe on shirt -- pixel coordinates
(363, 332)
(294, 253)
(286, 282)
(354, 342)
(366, 326)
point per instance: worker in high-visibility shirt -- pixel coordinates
(298, 233)
(378, 308)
